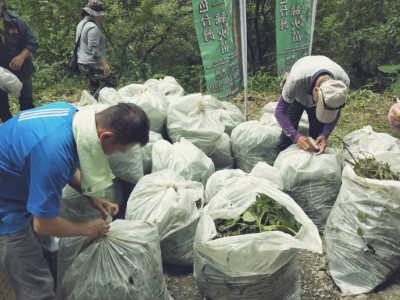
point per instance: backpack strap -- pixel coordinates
(79, 38)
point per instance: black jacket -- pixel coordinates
(17, 37)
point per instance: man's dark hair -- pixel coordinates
(127, 121)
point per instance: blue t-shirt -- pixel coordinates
(38, 157)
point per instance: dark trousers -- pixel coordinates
(294, 113)
(25, 100)
(97, 79)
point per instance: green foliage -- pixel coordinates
(371, 168)
(390, 69)
(360, 36)
(262, 81)
(148, 37)
(264, 215)
(53, 22)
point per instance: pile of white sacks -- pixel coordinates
(204, 161)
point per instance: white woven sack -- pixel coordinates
(184, 158)
(10, 83)
(168, 86)
(229, 114)
(369, 140)
(255, 141)
(173, 204)
(146, 152)
(270, 107)
(362, 233)
(76, 208)
(191, 117)
(225, 267)
(222, 154)
(128, 165)
(221, 178)
(124, 264)
(131, 90)
(109, 96)
(86, 99)
(312, 180)
(153, 103)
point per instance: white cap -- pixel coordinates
(331, 98)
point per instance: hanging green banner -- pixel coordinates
(294, 31)
(216, 37)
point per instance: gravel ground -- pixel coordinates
(316, 282)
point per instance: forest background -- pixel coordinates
(156, 38)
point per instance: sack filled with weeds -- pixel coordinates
(173, 204)
(252, 264)
(124, 264)
(264, 215)
(363, 230)
(372, 141)
(312, 180)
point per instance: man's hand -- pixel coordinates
(321, 142)
(17, 62)
(106, 69)
(306, 144)
(60, 227)
(105, 207)
(95, 228)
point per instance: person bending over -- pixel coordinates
(42, 150)
(319, 86)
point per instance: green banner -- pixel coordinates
(294, 29)
(216, 37)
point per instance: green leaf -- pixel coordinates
(389, 69)
(248, 217)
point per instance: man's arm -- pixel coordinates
(328, 127)
(30, 45)
(302, 141)
(283, 120)
(105, 207)
(17, 62)
(60, 227)
(31, 42)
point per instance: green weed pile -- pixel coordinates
(369, 167)
(264, 215)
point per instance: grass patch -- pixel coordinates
(364, 108)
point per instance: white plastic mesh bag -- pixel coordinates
(10, 83)
(124, 264)
(363, 233)
(173, 204)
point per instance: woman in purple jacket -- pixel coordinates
(318, 86)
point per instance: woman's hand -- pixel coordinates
(306, 144)
(321, 142)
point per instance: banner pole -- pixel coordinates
(243, 35)
(314, 13)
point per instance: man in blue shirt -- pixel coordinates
(40, 152)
